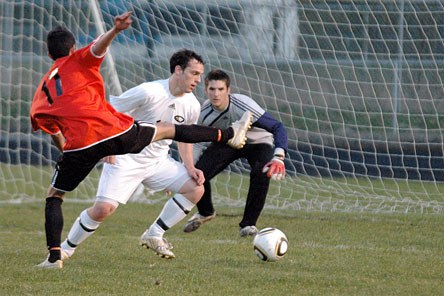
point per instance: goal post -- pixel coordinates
(357, 84)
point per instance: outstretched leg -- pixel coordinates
(235, 136)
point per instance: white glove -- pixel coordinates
(275, 169)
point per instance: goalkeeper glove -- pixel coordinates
(275, 169)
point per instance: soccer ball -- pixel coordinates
(270, 244)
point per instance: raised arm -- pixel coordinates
(121, 22)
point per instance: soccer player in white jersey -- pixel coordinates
(169, 100)
(265, 150)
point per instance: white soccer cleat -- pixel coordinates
(54, 265)
(196, 221)
(240, 128)
(65, 255)
(51, 265)
(159, 245)
(248, 231)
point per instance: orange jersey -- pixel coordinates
(71, 99)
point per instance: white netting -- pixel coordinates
(358, 84)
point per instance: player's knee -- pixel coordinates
(102, 209)
(52, 192)
(100, 212)
(196, 194)
(199, 191)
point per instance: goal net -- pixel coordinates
(358, 85)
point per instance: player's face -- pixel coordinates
(218, 94)
(191, 76)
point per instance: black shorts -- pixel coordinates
(73, 167)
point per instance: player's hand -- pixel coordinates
(275, 169)
(111, 159)
(123, 21)
(197, 176)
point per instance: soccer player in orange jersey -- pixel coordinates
(70, 105)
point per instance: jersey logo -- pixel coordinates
(172, 106)
(179, 118)
(59, 90)
(47, 93)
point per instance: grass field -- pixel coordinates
(329, 254)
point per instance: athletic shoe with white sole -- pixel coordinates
(196, 221)
(65, 255)
(54, 265)
(160, 246)
(240, 128)
(248, 231)
(51, 265)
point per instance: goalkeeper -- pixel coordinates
(265, 151)
(70, 105)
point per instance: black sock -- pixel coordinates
(53, 227)
(199, 133)
(226, 135)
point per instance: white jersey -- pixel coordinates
(153, 102)
(153, 166)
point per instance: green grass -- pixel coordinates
(329, 254)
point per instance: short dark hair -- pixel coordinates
(217, 74)
(59, 42)
(182, 57)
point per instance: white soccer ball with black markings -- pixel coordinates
(270, 244)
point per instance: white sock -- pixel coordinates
(174, 210)
(82, 228)
(67, 248)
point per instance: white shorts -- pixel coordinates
(119, 181)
